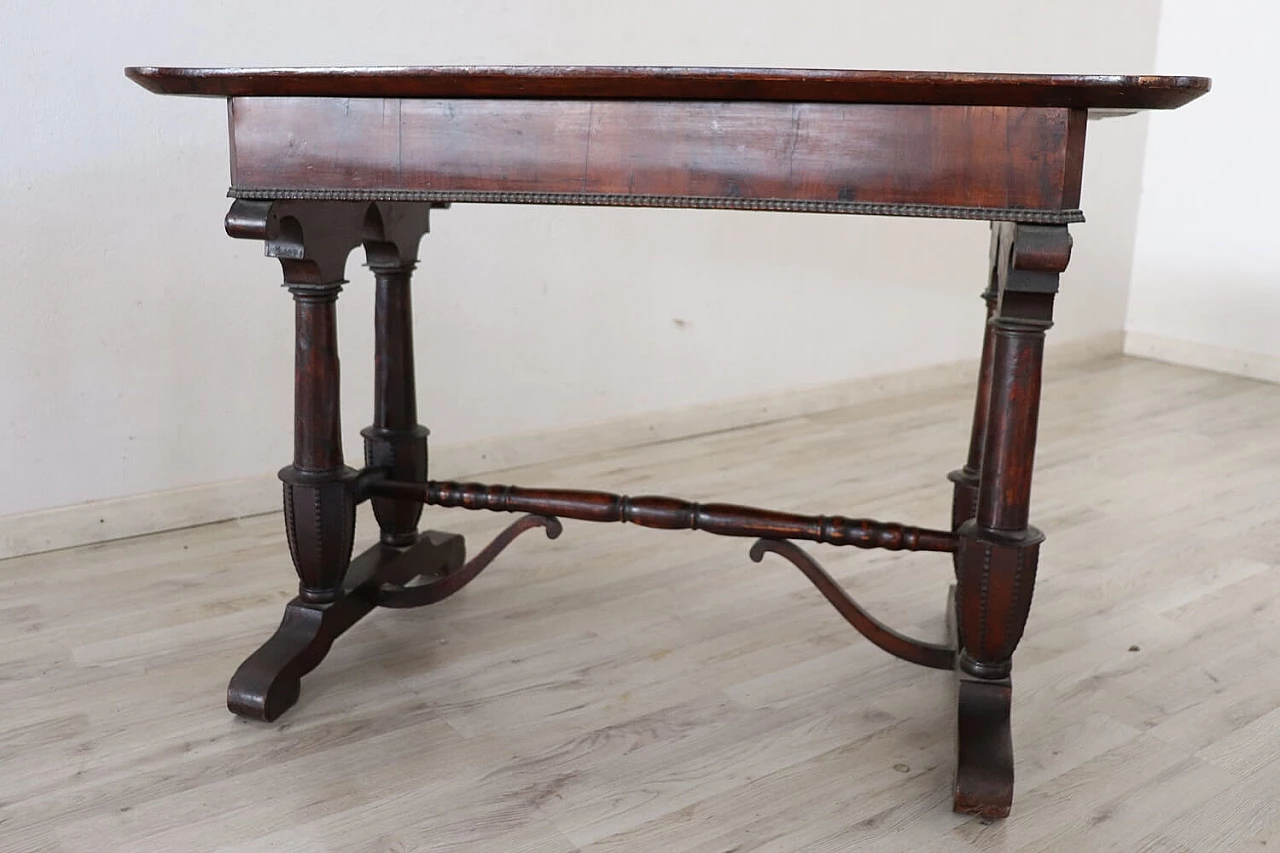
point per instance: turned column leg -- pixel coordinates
(396, 442)
(312, 241)
(996, 564)
(964, 494)
(319, 501)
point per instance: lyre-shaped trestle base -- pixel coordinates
(269, 681)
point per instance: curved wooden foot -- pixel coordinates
(268, 682)
(442, 587)
(907, 648)
(984, 741)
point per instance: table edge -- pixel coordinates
(1123, 92)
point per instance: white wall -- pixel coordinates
(1206, 277)
(144, 350)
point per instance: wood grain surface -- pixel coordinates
(997, 157)
(1123, 92)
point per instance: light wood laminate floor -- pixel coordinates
(630, 690)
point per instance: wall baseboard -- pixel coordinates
(1203, 356)
(136, 515)
(154, 512)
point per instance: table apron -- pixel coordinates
(819, 157)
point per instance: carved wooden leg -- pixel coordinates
(998, 556)
(320, 518)
(268, 683)
(396, 442)
(312, 241)
(964, 495)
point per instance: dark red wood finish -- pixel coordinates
(932, 655)
(776, 529)
(670, 514)
(810, 152)
(269, 681)
(964, 499)
(317, 432)
(984, 738)
(449, 582)
(1076, 91)
(325, 160)
(319, 504)
(395, 441)
(997, 561)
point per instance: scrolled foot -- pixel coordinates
(984, 740)
(984, 748)
(268, 682)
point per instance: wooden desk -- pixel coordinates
(325, 160)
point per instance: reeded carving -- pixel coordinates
(320, 521)
(995, 584)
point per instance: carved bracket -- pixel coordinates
(392, 232)
(312, 239)
(1028, 262)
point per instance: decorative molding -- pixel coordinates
(447, 197)
(1252, 365)
(155, 512)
